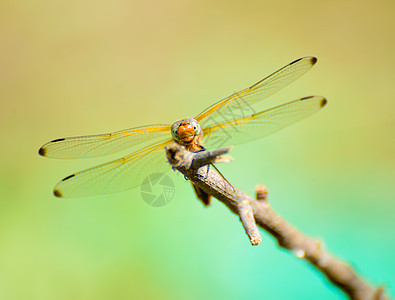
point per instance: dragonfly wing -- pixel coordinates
(118, 175)
(102, 144)
(261, 124)
(238, 104)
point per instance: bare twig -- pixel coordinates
(253, 212)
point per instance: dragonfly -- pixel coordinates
(230, 121)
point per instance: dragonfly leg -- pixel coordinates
(201, 195)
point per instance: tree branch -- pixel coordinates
(253, 212)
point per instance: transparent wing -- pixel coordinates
(102, 144)
(118, 175)
(238, 105)
(261, 124)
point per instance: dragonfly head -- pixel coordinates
(184, 131)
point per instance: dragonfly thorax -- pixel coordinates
(187, 132)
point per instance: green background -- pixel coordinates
(87, 67)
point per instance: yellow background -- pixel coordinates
(86, 67)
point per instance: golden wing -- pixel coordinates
(117, 175)
(102, 144)
(239, 104)
(258, 125)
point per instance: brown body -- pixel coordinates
(192, 142)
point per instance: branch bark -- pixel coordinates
(257, 211)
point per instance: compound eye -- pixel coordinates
(196, 127)
(174, 134)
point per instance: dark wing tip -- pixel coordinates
(57, 193)
(312, 60)
(323, 102)
(42, 151)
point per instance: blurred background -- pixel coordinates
(86, 67)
